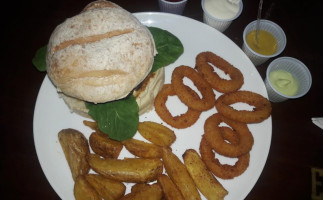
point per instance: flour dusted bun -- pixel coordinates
(101, 54)
(145, 95)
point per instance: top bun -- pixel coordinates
(101, 54)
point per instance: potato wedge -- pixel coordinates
(148, 192)
(102, 145)
(84, 191)
(108, 189)
(177, 171)
(139, 187)
(156, 133)
(142, 149)
(92, 125)
(137, 170)
(208, 185)
(76, 148)
(170, 190)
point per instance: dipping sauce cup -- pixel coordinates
(297, 69)
(221, 24)
(172, 6)
(274, 29)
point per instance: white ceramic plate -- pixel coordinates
(51, 114)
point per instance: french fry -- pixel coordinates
(108, 189)
(137, 170)
(170, 190)
(208, 185)
(102, 145)
(156, 133)
(83, 190)
(142, 149)
(177, 171)
(147, 192)
(76, 148)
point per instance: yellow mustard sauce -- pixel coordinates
(266, 45)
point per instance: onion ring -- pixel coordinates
(182, 121)
(185, 93)
(219, 84)
(229, 135)
(261, 111)
(224, 171)
(217, 142)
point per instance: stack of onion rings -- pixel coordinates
(224, 171)
(261, 111)
(185, 93)
(233, 142)
(219, 84)
(182, 121)
(217, 142)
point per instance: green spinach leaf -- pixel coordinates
(118, 119)
(39, 60)
(169, 47)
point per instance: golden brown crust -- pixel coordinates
(75, 147)
(224, 171)
(203, 66)
(261, 111)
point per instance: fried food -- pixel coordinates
(185, 93)
(137, 170)
(142, 149)
(208, 185)
(108, 189)
(199, 173)
(83, 190)
(76, 148)
(224, 171)
(261, 111)
(181, 121)
(219, 84)
(156, 133)
(149, 192)
(92, 125)
(177, 171)
(170, 190)
(229, 135)
(102, 145)
(217, 142)
(139, 187)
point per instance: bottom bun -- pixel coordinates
(145, 95)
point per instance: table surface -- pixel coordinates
(297, 144)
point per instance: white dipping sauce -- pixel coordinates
(221, 9)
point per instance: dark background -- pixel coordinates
(297, 144)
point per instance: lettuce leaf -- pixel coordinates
(39, 60)
(118, 119)
(169, 48)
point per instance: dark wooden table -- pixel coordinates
(297, 144)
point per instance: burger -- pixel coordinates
(103, 54)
